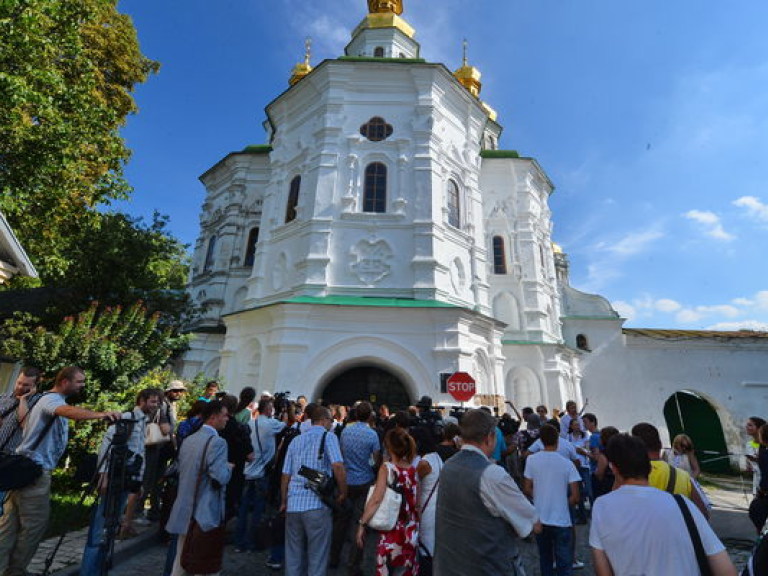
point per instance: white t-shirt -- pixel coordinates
(642, 531)
(551, 475)
(564, 448)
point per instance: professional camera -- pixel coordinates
(281, 402)
(317, 481)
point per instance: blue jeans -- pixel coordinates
(252, 505)
(555, 547)
(95, 552)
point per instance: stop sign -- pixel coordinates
(461, 386)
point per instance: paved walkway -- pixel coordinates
(729, 519)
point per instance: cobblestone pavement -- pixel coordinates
(729, 521)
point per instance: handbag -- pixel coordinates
(203, 552)
(18, 471)
(693, 532)
(388, 511)
(153, 434)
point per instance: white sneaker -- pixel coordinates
(578, 564)
(141, 521)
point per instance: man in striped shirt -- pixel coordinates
(309, 524)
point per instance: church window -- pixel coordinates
(454, 204)
(250, 248)
(293, 200)
(499, 256)
(376, 129)
(210, 254)
(375, 195)
(582, 343)
(378, 52)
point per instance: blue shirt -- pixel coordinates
(303, 451)
(358, 443)
(594, 443)
(501, 445)
(54, 441)
(263, 431)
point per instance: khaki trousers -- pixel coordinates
(23, 524)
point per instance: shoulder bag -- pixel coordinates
(153, 434)
(18, 471)
(693, 532)
(388, 511)
(203, 552)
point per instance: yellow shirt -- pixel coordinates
(659, 478)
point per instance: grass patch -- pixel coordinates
(67, 513)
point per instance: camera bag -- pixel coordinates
(18, 471)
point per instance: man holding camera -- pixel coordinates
(44, 440)
(313, 456)
(147, 403)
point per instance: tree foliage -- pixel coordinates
(67, 70)
(115, 345)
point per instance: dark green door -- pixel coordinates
(369, 383)
(689, 413)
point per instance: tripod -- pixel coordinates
(107, 513)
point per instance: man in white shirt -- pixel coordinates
(571, 413)
(638, 529)
(553, 483)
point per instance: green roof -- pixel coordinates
(369, 59)
(260, 149)
(366, 301)
(499, 154)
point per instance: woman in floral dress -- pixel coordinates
(397, 552)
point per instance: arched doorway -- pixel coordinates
(688, 413)
(376, 385)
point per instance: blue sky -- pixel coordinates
(650, 118)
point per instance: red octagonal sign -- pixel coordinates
(461, 386)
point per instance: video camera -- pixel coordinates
(282, 402)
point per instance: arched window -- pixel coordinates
(582, 343)
(378, 52)
(454, 204)
(499, 256)
(210, 254)
(375, 195)
(250, 248)
(293, 200)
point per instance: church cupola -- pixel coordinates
(383, 33)
(469, 76)
(302, 68)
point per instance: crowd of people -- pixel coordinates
(418, 492)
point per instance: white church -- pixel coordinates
(381, 241)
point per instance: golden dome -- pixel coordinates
(556, 248)
(469, 76)
(302, 68)
(385, 6)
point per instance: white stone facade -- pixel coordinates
(440, 305)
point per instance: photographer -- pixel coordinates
(44, 440)
(309, 525)
(427, 429)
(15, 406)
(96, 548)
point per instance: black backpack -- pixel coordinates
(758, 563)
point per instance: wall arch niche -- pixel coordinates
(506, 309)
(523, 388)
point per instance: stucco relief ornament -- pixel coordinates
(370, 261)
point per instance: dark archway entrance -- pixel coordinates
(688, 413)
(369, 383)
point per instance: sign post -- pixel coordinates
(461, 386)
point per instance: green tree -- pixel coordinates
(119, 349)
(120, 259)
(67, 71)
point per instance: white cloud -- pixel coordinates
(740, 325)
(744, 302)
(625, 309)
(667, 305)
(720, 309)
(688, 316)
(633, 243)
(754, 207)
(761, 300)
(711, 224)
